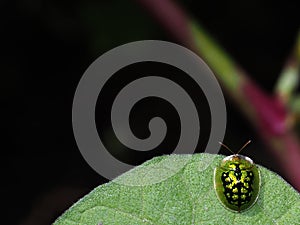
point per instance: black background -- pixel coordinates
(46, 47)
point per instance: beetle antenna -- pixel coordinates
(248, 142)
(226, 147)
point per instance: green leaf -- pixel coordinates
(178, 189)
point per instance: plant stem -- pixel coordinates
(268, 114)
(289, 77)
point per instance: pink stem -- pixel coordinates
(171, 17)
(268, 114)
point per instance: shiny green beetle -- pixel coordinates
(237, 182)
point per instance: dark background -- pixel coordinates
(46, 47)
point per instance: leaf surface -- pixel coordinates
(178, 189)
